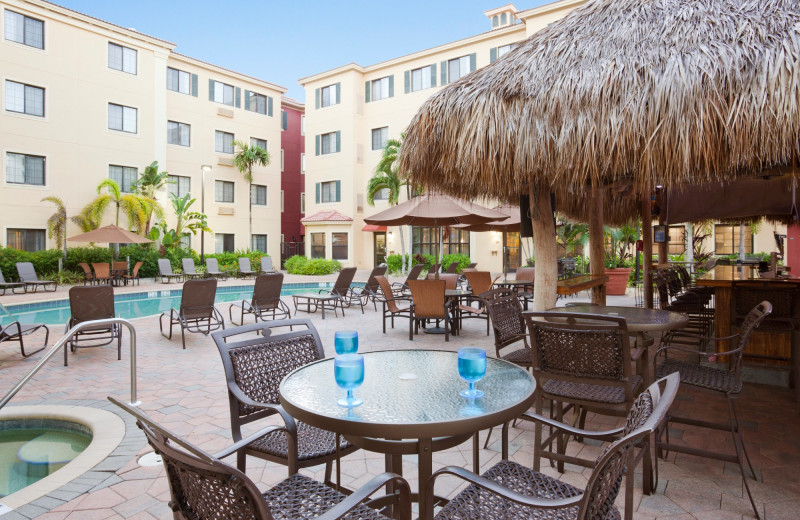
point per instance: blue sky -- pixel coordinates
(281, 41)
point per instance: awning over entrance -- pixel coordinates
(373, 227)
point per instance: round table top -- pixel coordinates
(638, 319)
(408, 394)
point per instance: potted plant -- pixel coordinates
(617, 259)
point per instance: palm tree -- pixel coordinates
(132, 204)
(57, 223)
(244, 160)
(148, 184)
(387, 177)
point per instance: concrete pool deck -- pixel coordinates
(185, 391)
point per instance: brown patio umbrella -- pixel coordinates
(112, 235)
(510, 223)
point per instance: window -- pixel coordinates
(179, 81)
(329, 95)
(255, 142)
(329, 191)
(503, 50)
(26, 239)
(258, 195)
(458, 67)
(677, 240)
(223, 142)
(121, 118)
(317, 245)
(329, 143)
(186, 241)
(223, 191)
(125, 176)
(223, 93)
(284, 120)
(380, 89)
(420, 79)
(25, 30)
(339, 246)
(282, 201)
(179, 185)
(259, 243)
(726, 239)
(303, 125)
(24, 169)
(379, 137)
(256, 103)
(121, 58)
(495, 21)
(302, 202)
(282, 160)
(25, 99)
(382, 194)
(223, 243)
(302, 163)
(178, 133)
(425, 240)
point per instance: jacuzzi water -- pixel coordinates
(31, 449)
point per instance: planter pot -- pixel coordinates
(617, 280)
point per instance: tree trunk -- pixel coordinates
(647, 252)
(544, 246)
(402, 251)
(597, 251)
(250, 200)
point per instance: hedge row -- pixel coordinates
(299, 264)
(394, 262)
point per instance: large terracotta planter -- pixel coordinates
(617, 280)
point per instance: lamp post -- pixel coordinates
(204, 168)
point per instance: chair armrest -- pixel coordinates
(358, 496)
(699, 336)
(604, 435)
(291, 425)
(325, 291)
(236, 446)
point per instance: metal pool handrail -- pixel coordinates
(61, 343)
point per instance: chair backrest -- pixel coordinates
(388, 295)
(473, 265)
(164, 267)
(197, 298)
(428, 298)
(91, 303)
(200, 485)
(212, 266)
(752, 320)
(480, 281)
(26, 272)
(87, 271)
(267, 291)
(585, 348)
(661, 287)
(452, 267)
(266, 264)
(101, 269)
(256, 365)
(505, 313)
(121, 266)
(413, 274)
(244, 265)
(525, 274)
(135, 272)
(434, 268)
(188, 266)
(371, 287)
(451, 280)
(2, 280)
(342, 283)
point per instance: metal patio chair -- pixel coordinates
(363, 295)
(266, 302)
(197, 312)
(413, 274)
(212, 269)
(13, 330)
(165, 271)
(245, 269)
(89, 304)
(189, 270)
(4, 285)
(429, 303)
(389, 302)
(27, 275)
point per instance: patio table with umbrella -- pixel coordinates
(110, 234)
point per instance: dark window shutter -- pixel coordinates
(338, 141)
(493, 55)
(247, 100)
(444, 73)
(317, 187)
(194, 85)
(284, 119)
(338, 93)
(407, 81)
(433, 75)
(211, 90)
(472, 58)
(316, 98)
(367, 87)
(238, 97)
(269, 106)
(338, 191)
(391, 85)
(316, 144)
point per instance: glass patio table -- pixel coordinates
(411, 404)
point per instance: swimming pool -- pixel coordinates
(140, 304)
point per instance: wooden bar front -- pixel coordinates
(580, 283)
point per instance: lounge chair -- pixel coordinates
(188, 269)
(4, 285)
(362, 295)
(212, 269)
(202, 483)
(134, 276)
(14, 331)
(328, 299)
(429, 303)
(88, 275)
(89, 304)
(266, 265)
(197, 312)
(102, 272)
(413, 274)
(165, 271)
(266, 302)
(452, 268)
(390, 300)
(27, 275)
(244, 268)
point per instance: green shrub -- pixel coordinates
(395, 262)
(463, 261)
(311, 266)
(149, 255)
(76, 255)
(230, 261)
(64, 277)
(294, 264)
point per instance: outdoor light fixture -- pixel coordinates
(204, 168)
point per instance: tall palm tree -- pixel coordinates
(387, 177)
(132, 204)
(148, 184)
(57, 223)
(244, 160)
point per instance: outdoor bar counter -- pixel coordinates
(736, 288)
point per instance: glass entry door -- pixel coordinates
(379, 242)
(510, 251)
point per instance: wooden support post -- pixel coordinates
(597, 249)
(663, 247)
(544, 247)
(647, 252)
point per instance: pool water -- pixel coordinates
(137, 305)
(28, 454)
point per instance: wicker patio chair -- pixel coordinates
(89, 304)
(510, 490)
(197, 312)
(583, 360)
(413, 274)
(88, 275)
(245, 269)
(203, 487)
(212, 269)
(525, 292)
(102, 272)
(717, 380)
(428, 303)
(165, 271)
(189, 272)
(27, 275)
(389, 301)
(266, 265)
(451, 280)
(452, 268)
(4, 285)
(266, 302)
(13, 330)
(363, 295)
(134, 276)
(254, 368)
(480, 282)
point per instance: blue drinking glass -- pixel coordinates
(472, 368)
(345, 341)
(348, 369)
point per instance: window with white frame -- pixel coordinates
(186, 241)
(223, 93)
(255, 142)
(24, 29)
(223, 142)
(317, 245)
(457, 68)
(121, 58)
(178, 133)
(25, 169)
(380, 136)
(302, 163)
(24, 99)
(284, 120)
(125, 176)
(256, 103)
(122, 118)
(503, 50)
(223, 243)
(420, 79)
(282, 160)
(302, 202)
(26, 239)
(223, 191)
(380, 88)
(328, 95)
(339, 246)
(281, 201)
(327, 192)
(259, 243)
(179, 81)
(303, 125)
(258, 195)
(179, 185)
(328, 143)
